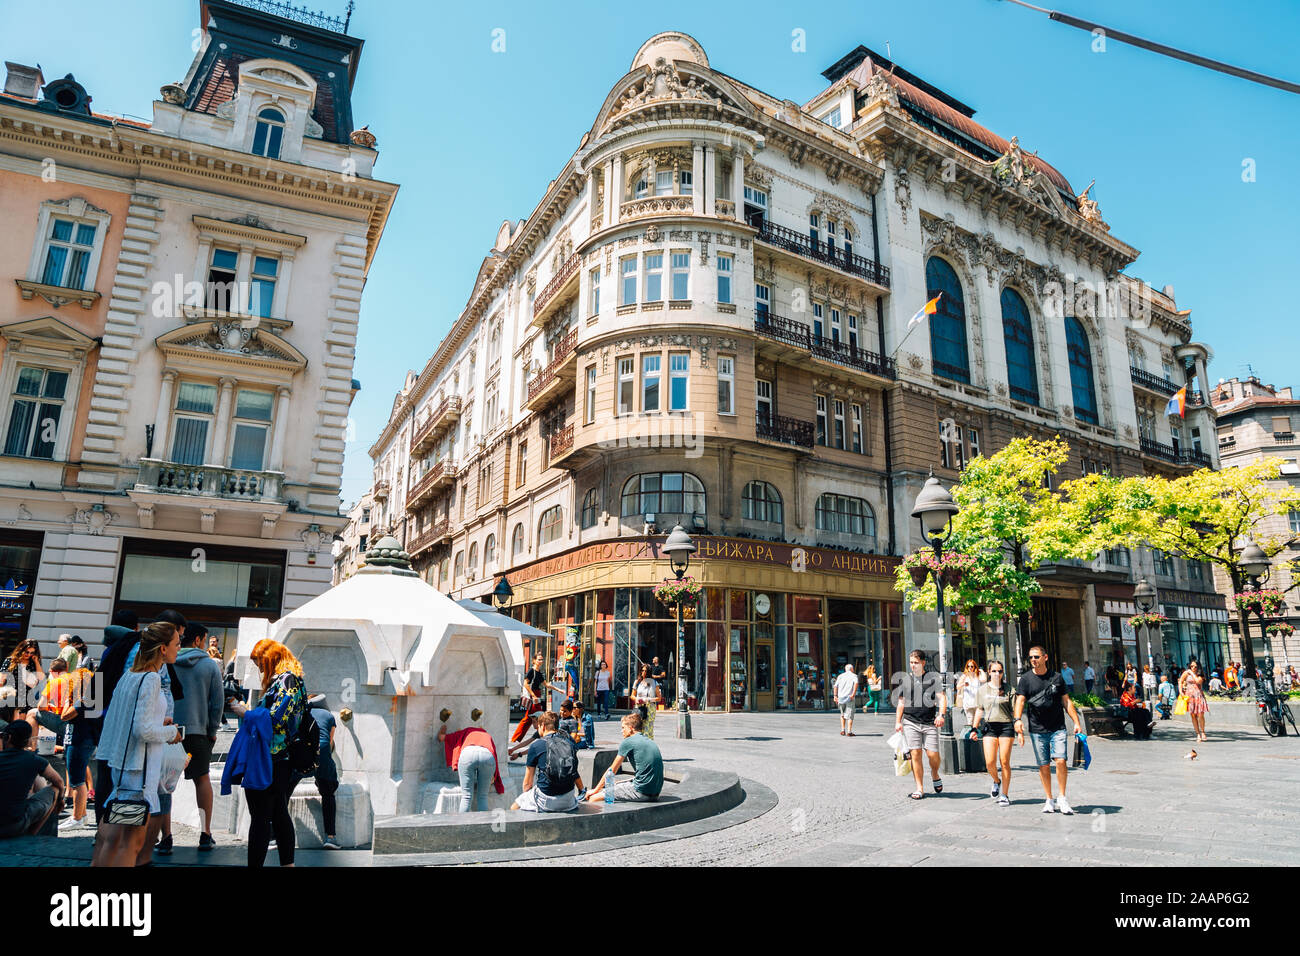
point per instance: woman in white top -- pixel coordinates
(1148, 682)
(136, 728)
(647, 692)
(602, 690)
(968, 685)
(24, 674)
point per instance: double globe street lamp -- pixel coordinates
(679, 549)
(1254, 562)
(1145, 598)
(935, 510)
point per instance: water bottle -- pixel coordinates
(609, 787)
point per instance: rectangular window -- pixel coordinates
(642, 187)
(945, 445)
(817, 323)
(814, 229)
(220, 292)
(67, 254)
(590, 416)
(685, 179)
(1194, 571)
(853, 332)
(680, 263)
(1293, 520)
(830, 236)
(973, 439)
(763, 402)
(650, 383)
(654, 276)
(857, 428)
(835, 326)
(626, 385)
(756, 197)
(726, 385)
(762, 299)
(35, 412)
(194, 407)
(821, 419)
(848, 243)
(593, 297)
(832, 118)
(248, 447)
(261, 293)
(679, 364)
(959, 451)
(627, 269)
(521, 465)
(839, 424)
(724, 279)
(1281, 424)
(664, 182)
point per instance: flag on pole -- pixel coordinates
(1178, 403)
(930, 308)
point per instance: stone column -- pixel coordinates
(163, 416)
(281, 428)
(607, 215)
(697, 180)
(616, 189)
(738, 180)
(710, 186)
(217, 457)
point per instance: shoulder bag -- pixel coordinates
(130, 813)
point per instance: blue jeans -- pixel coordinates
(477, 767)
(602, 702)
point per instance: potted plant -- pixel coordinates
(1150, 619)
(1280, 629)
(950, 568)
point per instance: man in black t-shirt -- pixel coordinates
(660, 675)
(24, 810)
(922, 709)
(1043, 692)
(534, 681)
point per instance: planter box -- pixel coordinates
(1097, 722)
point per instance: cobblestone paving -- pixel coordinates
(840, 804)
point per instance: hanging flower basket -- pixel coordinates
(1266, 603)
(685, 592)
(919, 575)
(949, 569)
(1148, 620)
(1280, 629)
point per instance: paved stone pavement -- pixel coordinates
(1142, 803)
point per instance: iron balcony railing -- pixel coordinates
(1156, 383)
(569, 267)
(796, 334)
(787, 431)
(561, 441)
(823, 251)
(1176, 456)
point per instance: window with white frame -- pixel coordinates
(853, 332)
(252, 425)
(593, 296)
(642, 188)
(489, 552)
(762, 299)
(839, 423)
(973, 439)
(589, 416)
(818, 323)
(835, 326)
(663, 182)
(261, 292)
(856, 411)
(821, 420)
(460, 565)
(679, 367)
(680, 263)
(471, 563)
(832, 118)
(654, 277)
(724, 279)
(726, 385)
(590, 506)
(626, 385)
(195, 406)
(763, 402)
(220, 294)
(550, 526)
(762, 502)
(843, 514)
(830, 236)
(627, 291)
(68, 252)
(650, 382)
(517, 542)
(35, 410)
(848, 242)
(1293, 520)
(269, 134)
(521, 465)
(491, 410)
(685, 181)
(814, 229)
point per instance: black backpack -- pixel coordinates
(561, 763)
(304, 747)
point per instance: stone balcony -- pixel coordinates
(437, 477)
(427, 432)
(209, 481)
(553, 382)
(651, 206)
(381, 489)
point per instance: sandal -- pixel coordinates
(841, 733)
(938, 786)
(918, 795)
(850, 734)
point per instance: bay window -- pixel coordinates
(626, 385)
(594, 295)
(654, 277)
(724, 279)
(726, 385)
(678, 369)
(627, 269)
(681, 275)
(650, 383)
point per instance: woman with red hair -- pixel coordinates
(284, 699)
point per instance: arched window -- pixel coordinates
(843, 514)
(948, 324)
(489, 552)
(269, 134)
(669, 492)
(473, 560)
(762, 502)
(517, 541)
(460, 566)
(549, 526)
(1022, 372)
(589, 506)
(1081, 380)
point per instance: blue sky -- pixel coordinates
(474, 135)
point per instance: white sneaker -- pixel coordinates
(72, 824)
(996, 788)
(1063, 806)
(1004, 801)
(1049, 806)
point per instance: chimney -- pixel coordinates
(1169, 291)
(23, 80)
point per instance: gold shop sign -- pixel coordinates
(797, 558)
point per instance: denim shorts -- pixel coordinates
(1049, 746)
(79, 755)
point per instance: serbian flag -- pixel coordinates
(1178, 403)
(930, 308)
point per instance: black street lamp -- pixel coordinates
(503, 594)
(935, 510)
(1145, 597)
(679, 549)
(1254, 562)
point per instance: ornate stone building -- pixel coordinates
(185, 321)
(706, 321)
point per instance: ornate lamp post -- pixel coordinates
(1144, 596)
(935, 510)
(1256, 565)
(679, 549)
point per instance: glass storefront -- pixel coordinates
(1205, 641)
(20, 559)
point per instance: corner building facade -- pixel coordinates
(698, 325)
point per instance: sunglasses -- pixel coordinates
(1035, 657)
